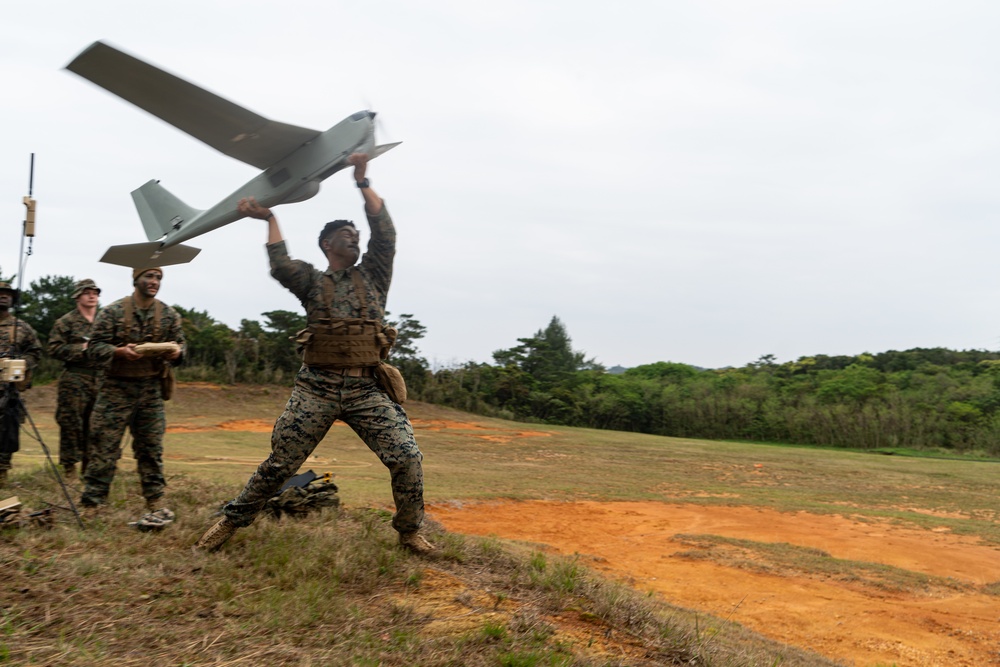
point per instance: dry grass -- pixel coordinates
(331, 589)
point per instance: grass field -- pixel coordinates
(471, 457)
(218, 435)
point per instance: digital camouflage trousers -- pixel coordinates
(136, 405)
(318, 399)
(11, 416)
(77, 395)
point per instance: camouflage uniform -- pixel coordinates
(28, 348)
(78, 386)
(321, 396)
(130, 396)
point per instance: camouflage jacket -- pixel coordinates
(27, 345)
(111, 331)
(306, 281)
(68, 336)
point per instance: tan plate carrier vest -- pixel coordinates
(348, 342)
(147, 366)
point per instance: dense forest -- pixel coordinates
(916, 399)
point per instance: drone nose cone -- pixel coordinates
(372, 114)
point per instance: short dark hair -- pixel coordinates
(330, 228)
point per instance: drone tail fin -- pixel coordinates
(159, 210)
(145, 255)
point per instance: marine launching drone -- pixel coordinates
(294, 159)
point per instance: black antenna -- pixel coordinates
(29, 219)
(28, 232)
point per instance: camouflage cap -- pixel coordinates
(138, 271)
(5, 287)
(80, 285)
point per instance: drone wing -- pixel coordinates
(224, 126)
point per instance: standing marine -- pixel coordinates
(343, 349)
(80, 379)
(17, 341)
(131, 394)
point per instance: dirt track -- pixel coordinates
(857, 625)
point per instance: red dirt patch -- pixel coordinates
(248, 425)
(243, 425)
(442, 424)
(200, 385)
(265, 426)
(862, 626)
(504, 438)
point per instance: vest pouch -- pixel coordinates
(146, 366)
(167, 382)
(386, 340)
(301, 340)
(391, 381)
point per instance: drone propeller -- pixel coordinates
(381, 129)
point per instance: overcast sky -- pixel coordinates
(694, 181)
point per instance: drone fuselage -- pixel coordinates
(292, 179)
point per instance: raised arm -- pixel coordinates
(373, 203)
(249, 207)
(294, 275)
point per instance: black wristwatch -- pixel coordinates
(363, 183)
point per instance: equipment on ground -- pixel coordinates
(295, 160)
(12, 515)
(302, 494)
(154, 521)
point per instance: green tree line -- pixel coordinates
(921, 398)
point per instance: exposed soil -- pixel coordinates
(265, 426)
(243, 425)
(845, 621)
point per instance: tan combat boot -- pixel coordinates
(155, 507)
(155, 519)
(217, 535)
(416, 543)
